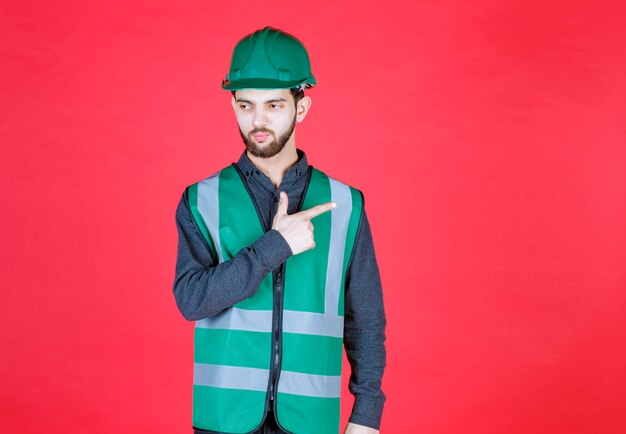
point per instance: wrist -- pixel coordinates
(354, 428)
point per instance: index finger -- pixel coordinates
(317, 210)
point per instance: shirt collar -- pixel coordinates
(294, 173)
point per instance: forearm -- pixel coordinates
(366, 353)
(202, 287)
(364, 332)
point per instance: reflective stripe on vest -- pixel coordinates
(233, 348)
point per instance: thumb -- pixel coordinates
(282, 204)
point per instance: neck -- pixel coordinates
(275, 167)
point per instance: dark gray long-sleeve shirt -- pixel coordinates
(202, 287)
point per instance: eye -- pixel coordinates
(244, 106)
(275, 106)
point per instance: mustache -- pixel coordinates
(261, 130)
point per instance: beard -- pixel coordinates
(269, 149)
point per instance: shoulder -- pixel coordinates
(341, 188)
(209, 180)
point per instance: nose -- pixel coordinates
(259, 120)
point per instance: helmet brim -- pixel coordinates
(264, 83)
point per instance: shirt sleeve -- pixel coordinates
(364, 330)
(204, 287)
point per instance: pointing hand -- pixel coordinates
(297, 228)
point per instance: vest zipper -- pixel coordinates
(277, 325)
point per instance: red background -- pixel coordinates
(488, 137)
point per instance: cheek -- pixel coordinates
(285, 120)
(243, 122)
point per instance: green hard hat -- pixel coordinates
(269, 59)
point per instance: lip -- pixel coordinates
(261, 137)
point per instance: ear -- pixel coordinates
(303, 108)
(233, 102)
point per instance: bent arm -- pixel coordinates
(364, 331)
(202, 287)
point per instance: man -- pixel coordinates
(273, 302)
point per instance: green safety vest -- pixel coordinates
(232, 349)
